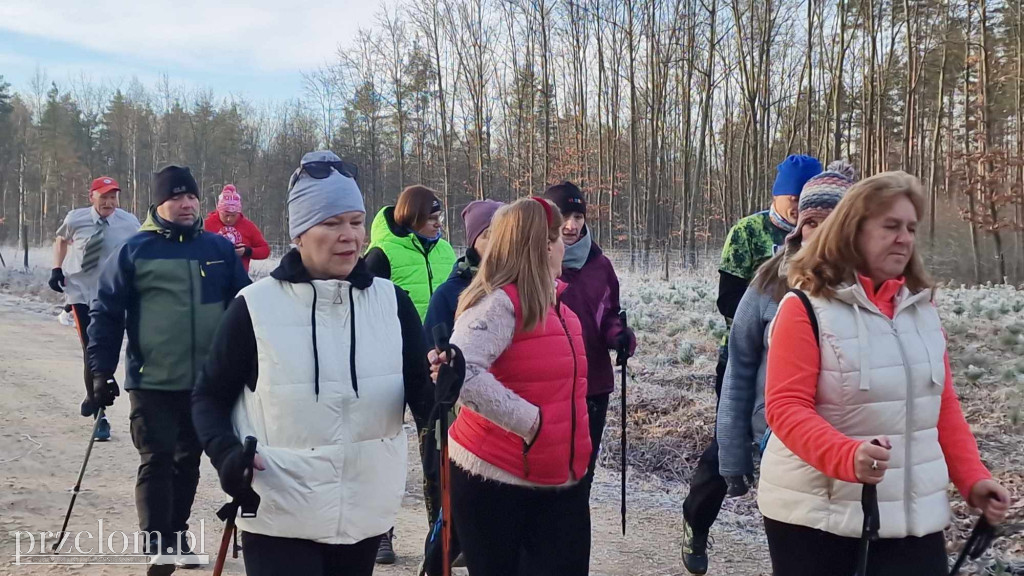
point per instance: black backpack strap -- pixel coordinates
(810, 310)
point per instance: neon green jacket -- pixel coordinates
(399, 255)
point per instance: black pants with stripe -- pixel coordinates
(81, 314)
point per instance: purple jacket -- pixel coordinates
(593, 295)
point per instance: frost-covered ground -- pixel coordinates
(671, 385)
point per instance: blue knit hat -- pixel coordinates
(793, 173)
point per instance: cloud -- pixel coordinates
(229, 35)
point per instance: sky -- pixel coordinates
(253, 48)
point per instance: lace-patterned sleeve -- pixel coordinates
(483, 332)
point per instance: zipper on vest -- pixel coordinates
(526, 461)
(575, 367)
(192, 316)
(908, 432)
(426, 261)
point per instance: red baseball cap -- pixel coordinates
(104, 184)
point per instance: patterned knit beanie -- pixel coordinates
(821, 194)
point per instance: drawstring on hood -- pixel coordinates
(352, 341)
(292, 270)
(316, 355)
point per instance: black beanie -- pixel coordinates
(567, 197)
(171, 181)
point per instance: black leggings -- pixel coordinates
(273, 556)
(497, 522)
(801, 551)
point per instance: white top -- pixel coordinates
(79, 225)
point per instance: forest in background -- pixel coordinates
(671, 114)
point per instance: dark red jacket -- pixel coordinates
(593, 294)
(547, 368)
(251, 237)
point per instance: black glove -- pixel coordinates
(234, 479)
(738, 485)
(104, 390)
(623, 341)
(56, 281)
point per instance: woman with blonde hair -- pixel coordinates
(521, 444)
(875, 404)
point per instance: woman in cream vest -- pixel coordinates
(317, 362)
(881, 372)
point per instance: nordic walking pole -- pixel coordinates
(980, 539)
(869, 533)
(228, 511)
(621, 359)
(78, 485)
(442, 346)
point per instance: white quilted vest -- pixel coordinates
(335, 465)
(878, 376)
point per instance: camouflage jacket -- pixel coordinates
(751, 242)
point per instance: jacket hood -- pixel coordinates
(384, 226)
(170, 230)
(466, 267)
(291, 269)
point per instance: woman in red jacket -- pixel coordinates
(521, 443)
(228, 221)
(879, 371)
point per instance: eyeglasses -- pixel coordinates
(321, 169)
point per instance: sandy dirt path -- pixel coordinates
(43, 440)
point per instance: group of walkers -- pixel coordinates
(836, 372)
(318, 361)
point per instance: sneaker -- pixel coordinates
(695, 549)
(103, 430)
(386, 551)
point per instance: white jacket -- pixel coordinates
(878, 376)
(335, 462)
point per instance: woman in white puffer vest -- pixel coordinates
(318, 362)
(880, 372)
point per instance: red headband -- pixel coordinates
(547, 209)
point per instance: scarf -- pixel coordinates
(427, 243)
(779, 222)
(576, 255)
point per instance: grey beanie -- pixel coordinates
(311, 201)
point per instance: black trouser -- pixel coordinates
(597, 411)
(81, 314)
(162, 431)
(707, 487)
(273, 556)
(501, 524)
(802, 551)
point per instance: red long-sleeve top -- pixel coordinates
(791, 386)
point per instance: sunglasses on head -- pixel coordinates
(321, 169)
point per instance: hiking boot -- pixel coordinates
(695, 549)
(103, 430)
(386, 551)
